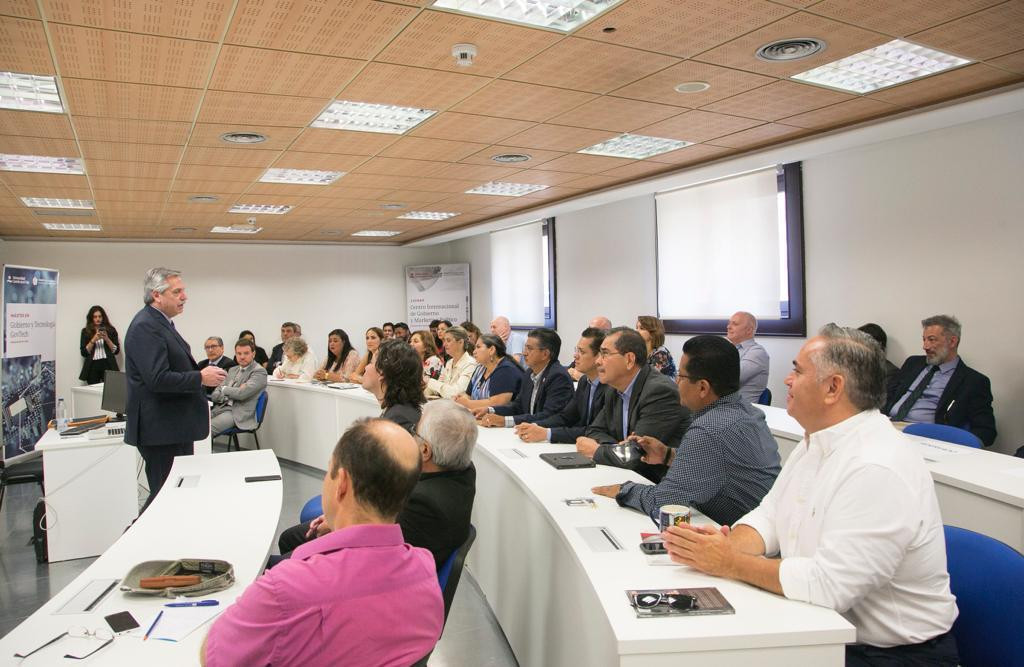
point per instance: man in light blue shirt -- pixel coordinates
(754, 360)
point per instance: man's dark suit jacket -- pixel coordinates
(654, 410)
(554, 394)
(224, 362)
(436, 516)
(165, 404)
(573, 420)
(276, 357)
(965, 403)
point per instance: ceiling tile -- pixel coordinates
(51, 191)
(200, 173)
(126, 152)
(30, 124)
(1013, 62)
(698, 126)
(253, 109)
(189, 20)
(416, 200)
(762, 134)
(778, 100)
(189, 187)
(125, 195)
(638, 169)
(469, 127)
(251, 70)
(86, 97)
(383, 83)
(510, 99)
(844, 113)
(681, 28)
(127, 183)
(208, 134)
(842, 40)
(26, 9)
(87, 53)
(91, 128)
(319, 161)
(38, 146)
(581, 64)
(725, 82)
(399, 167)
(316, 140)
(345, 28)
(594, 182)
(985, 34)
(15, 178)
(946, 86)
(284, 189)
(616, 114)
(583, 164)
(897, 18)
(23, 47)
(417, 148)
(229, 157)
(536, 156)
(428, 41)
(476, 172)
(559, 138)
(690, 155)
(540, 177)
(133, 169)
(276, 200)
(382, 181)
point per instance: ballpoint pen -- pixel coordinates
(199, 603)
(155, 621)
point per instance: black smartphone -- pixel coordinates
(653, 548)
(120, 622)
(263, 478)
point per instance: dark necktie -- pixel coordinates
(904, 410)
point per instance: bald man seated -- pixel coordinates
(754, 361)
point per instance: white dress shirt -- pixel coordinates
(454, 378)
(854, 516)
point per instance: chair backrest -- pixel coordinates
(944, 432)
(765, 398)
(987, 578)
(261, 407)
(451, 571)
(312, 509)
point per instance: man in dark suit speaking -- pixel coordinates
(166, 405)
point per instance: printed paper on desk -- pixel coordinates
(938, 451)
(177, 622)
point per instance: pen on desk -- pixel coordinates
(200, 603)
(155, 621)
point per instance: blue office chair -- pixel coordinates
(261, 412)
(448, 577)
(313, 508)
(957, 436)
(987, 578)
(765, 398)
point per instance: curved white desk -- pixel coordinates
(977, 489)
(221, 517)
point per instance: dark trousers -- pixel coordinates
(159, 459)
(291, 539)
(937, 652)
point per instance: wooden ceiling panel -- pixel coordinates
(844, 113)
(114, 182)
(418, 148)
(205, 173)
(778, 100)
(842, 40)
(449, 185)
(23, 47)
(189, 20)
(86, 97)
(559, 138)
(1013, 62)
(252, 109)
(681, 28)
(383, 83)
(341, 191)
(276, 200)
(661, 87)
(131, 169)
(898, 18)
(583, 164)
(86, 53)
(225, 191)
(399, 167)
(25, 9)
(428, 40)
(581, 64)
(540, 177)
(91, 128)
(31, 124)
(760, 135)
(381, 181)
(986, 34)
(16, 178)
(698, 126)
(229, 157)
(522, 101)
(345, 28)
(947, 85)
(125, 195)
(615, 114)
(320, 161)
(249, 70)
(594, 182)
(469, 127)
(475, 172)
(284, 189)
(415, 199)
(38, 146)
(209, 134)
(536, 156)
(318, 140)
(125, 152)
(640, 169)
(51, 191)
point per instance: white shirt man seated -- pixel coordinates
(754, 360)
(234, 402)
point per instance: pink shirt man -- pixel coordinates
(356, 596)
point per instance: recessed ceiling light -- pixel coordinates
(506, 189)
(29, 92)
(635, 146)
(41, 164)
(392, 207)
(237, 229)
(790, 49)
(243, 137)
(364, 117)
(427, 215)
(376, 232)
(71, 227)
(563, 15)
(263, 209)
(301, 176)
(880, 67)
(63, 212)
(183, 230)
(56, 202)
(511, 157)
(693, 87)
(204, 199)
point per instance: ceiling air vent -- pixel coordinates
(791, 49)
(511, 157)
(243, 137)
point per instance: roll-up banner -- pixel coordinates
(30, 348)
(437, 292)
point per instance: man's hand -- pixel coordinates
(609, 491)
(574, 374)
(490, 421)
(317, 528)
(586, 446)
(531, 432)
(480, 412)
(655, 451)
(702, 548)
(212, 376)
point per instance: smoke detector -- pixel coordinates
(464, 54)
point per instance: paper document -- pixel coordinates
(177, 622)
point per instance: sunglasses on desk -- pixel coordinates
(105, 636)
(679, 601)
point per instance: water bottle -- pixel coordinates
(62, 416)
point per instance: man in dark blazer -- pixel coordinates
(643, 398)
(577, 415)
(546, 389)
(940, 388)
(214, 348)
(288, 330)
(166, 407)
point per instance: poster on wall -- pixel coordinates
(30, 347)
(436, 292)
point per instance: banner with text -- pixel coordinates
(30, 347)
(436, 292)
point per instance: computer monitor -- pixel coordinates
(115, 386)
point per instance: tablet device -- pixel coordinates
(568, 460)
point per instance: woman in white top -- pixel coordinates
(423, 342)
(374, 336)
(459, 368)
(342, 359)
(299, 363)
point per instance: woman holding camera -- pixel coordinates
(99, 346)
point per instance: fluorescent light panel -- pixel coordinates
(71, 227)
(56, 202)
(563, 15)
(301, 176)
(635, 146)
(880, 67)
(427, 215)
(506, 189)
(240, 229)
(365, 117)
(376, 232)
(41, 164)
(262, 209)
(29, 92)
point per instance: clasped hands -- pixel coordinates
(655, 451)
(212, 376)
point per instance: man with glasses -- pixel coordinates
(546, 389)
(727, 459)
(214, 348)
(644, 402)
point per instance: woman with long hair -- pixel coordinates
(395, 378)
(342, 359)
(458, 370)
(99, 346)
(374, 337)
(423, 343)
(652, 330)
(497, 377)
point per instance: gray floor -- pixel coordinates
(472, 635)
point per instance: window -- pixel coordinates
(523, 274)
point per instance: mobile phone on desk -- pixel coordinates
(263, 478)
(653, 547)
(121, 622)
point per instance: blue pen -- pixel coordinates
(155, 621)
(200, 603)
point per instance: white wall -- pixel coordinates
(230, 288)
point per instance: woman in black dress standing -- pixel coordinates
(99, 345)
